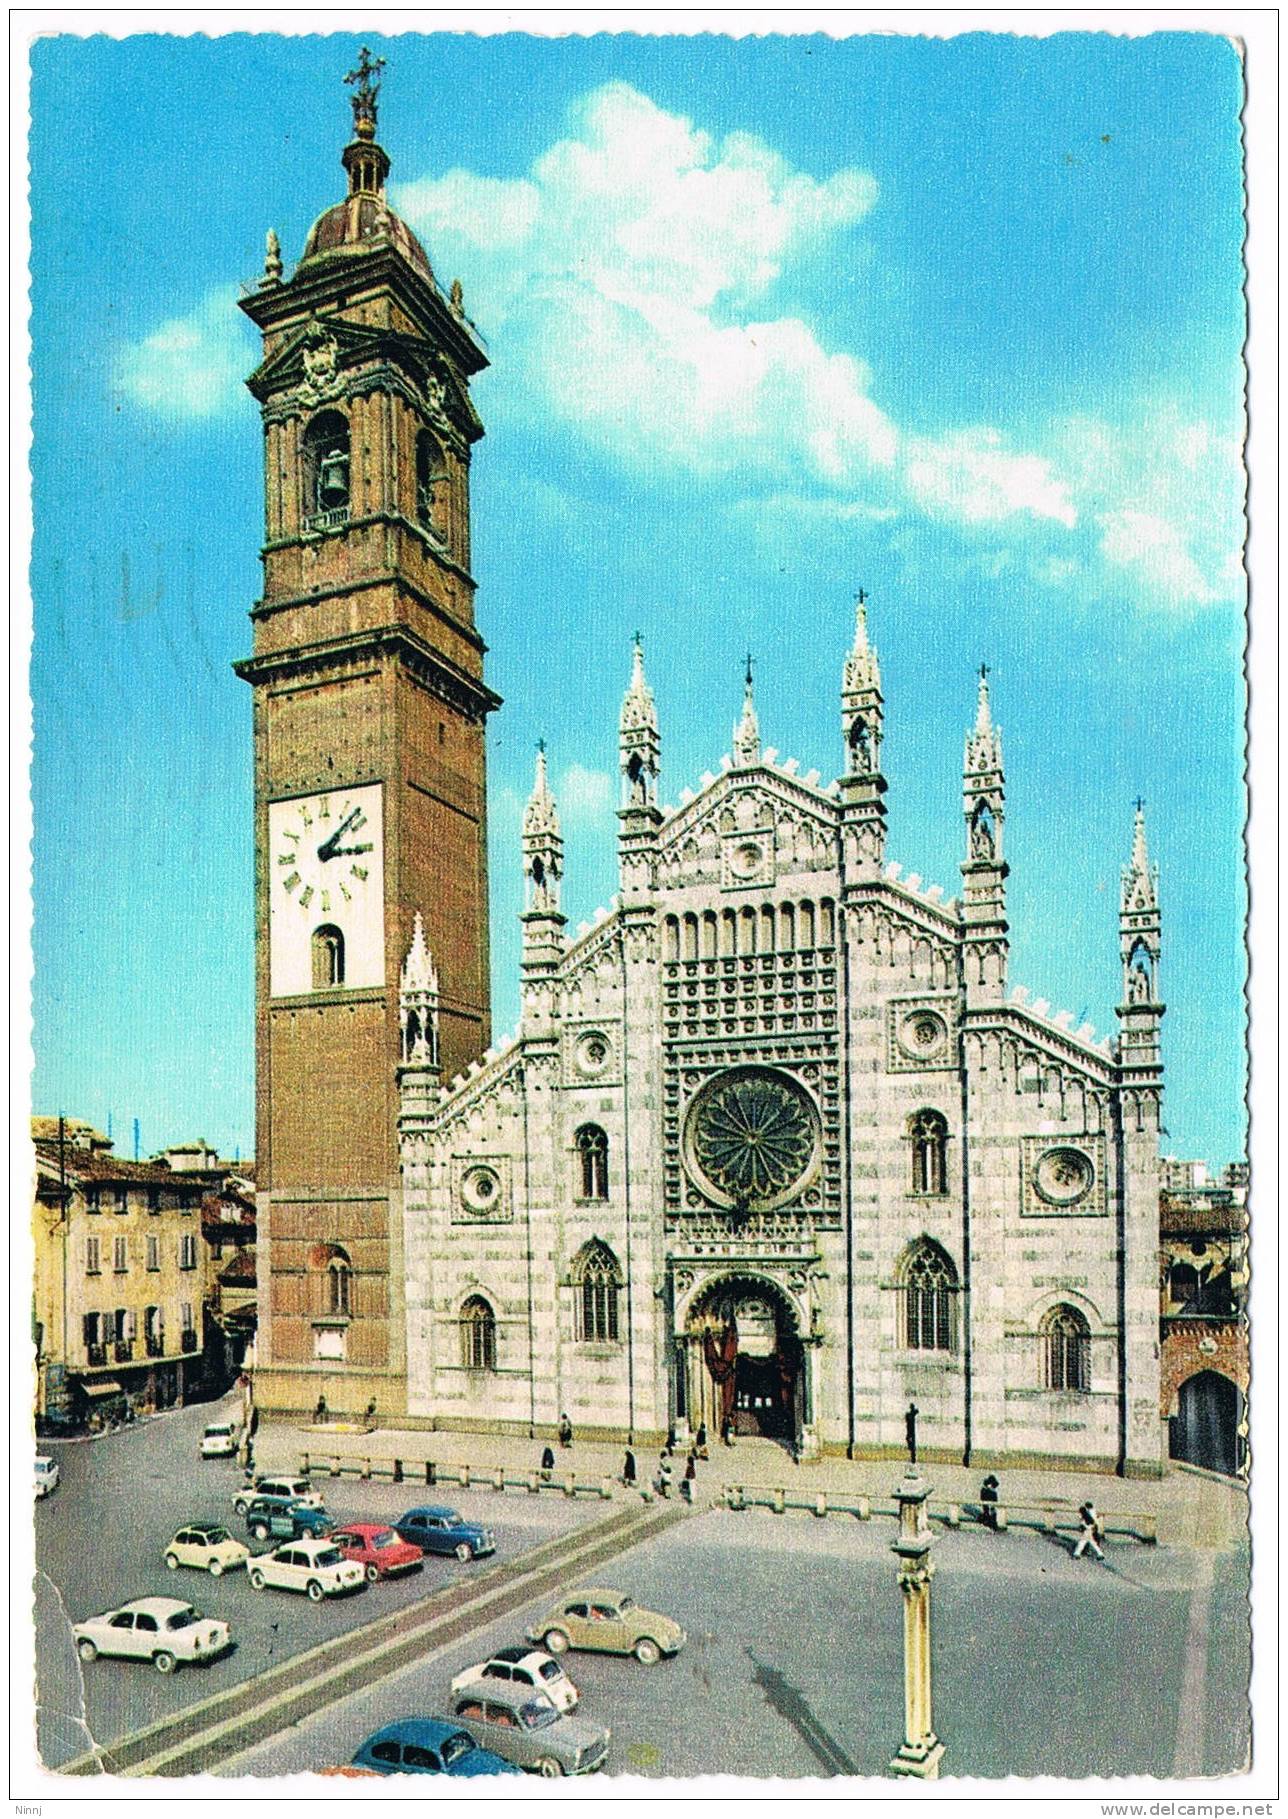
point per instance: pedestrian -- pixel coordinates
(320, 1412)
(670, 1440)
(690, 1477)
(250, 1461)
(662, 1482)
(726, 1430)
(1092, 1532)
(700, 1442)
(371, 1414)
(988, 1502)
(628, 1470)
(910, 1430)
(547, 1464)
(565, 1431)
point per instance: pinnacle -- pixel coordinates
(746, 735)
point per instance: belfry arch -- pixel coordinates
(740, 1355)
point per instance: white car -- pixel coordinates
(164, 1631)
(220, 1440)
(313, 1566)
(46, 1475)
(522, 1667)
(206, 1545)
(281, 1491)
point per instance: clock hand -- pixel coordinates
(330, 845)
(341, 852)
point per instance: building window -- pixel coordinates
(94, 1338)
(339, 1286)
(328, 957)
(325, 450)
(154, 1199)
(92, 1265)
(928, 1137)
(592, 1146)
(91, 1200)
(187, 1252)
(597, 1281)
(478, 1335)
(154, 1253)
(1066, 1346)
(120, 1261)
(928, 1284)
(122, 1201)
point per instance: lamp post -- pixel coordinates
(921, 1751)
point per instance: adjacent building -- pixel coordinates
(1203, 1275)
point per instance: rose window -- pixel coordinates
(1064, 1176)
(753, 1138)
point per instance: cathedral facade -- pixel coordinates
(777, 1147)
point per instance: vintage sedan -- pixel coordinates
(317, 1568)
(379, 1551)
(46, 1475)
(208, 1546)
(220, 1440)
(277, 1490)
(164, 1631)
(436, 1529)
(610, 1622)
(522, 1667)
(266, 1518)
(427, 1746)
(529, 1730)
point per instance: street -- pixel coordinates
(100, 1540)
(1043, 1664)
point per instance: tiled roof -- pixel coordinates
(97, 1165)
(240, 1268)
(1208, 1214)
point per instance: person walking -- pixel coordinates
(662, 1482)
(669, 1448)
(690, 1477)
(565, 1431)
(628, 1470)
(1092, 1532)
(700, 1443)
(320, 1412)
(726, 1431)
(988, 1502)
(910, 1431)
(547, 1464)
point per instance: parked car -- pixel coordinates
(529, 1730)
(46, 1475)
(207, 1545)
(277, 1490)
(315, 1567)
(379, 1551)
(438, 1530)
(266, 1517)
(427, 1746)
(610, 1622)
(523, 1667)
(164, 1631)
(221, 1440)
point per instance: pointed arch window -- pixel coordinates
(597, 1280)
(340, 1285)
(478, 1335)
(325, 452)
(928, 1288)
(928, 1141)
(328, 957)
(592, 1155)
(1066, 1349)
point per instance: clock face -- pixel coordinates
(326, 886)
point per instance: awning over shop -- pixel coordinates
(102, 1386)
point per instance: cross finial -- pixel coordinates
(750, 660)
(863, 596)
(984, 672)
(541, 746)
(1139, 804)
(365, 91)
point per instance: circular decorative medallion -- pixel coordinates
(922, 1034)
(1064, 1176)
(752, 1139)
(481, 1189)
(746, 860)
(592, 1053)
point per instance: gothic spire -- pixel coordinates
(984, 741)
(418, 1001)
(746, 735)
(418, 970)
(639, 711)
(541, 817)
(862, 671)
(639, 743)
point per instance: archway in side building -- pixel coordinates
(1205, 1429)
(744, 1362)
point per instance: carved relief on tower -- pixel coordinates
(480, 1190)
(1063, 1176)
(592, 1054)
(747, 858)
(921, 1034)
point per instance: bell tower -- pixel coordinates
(370, 791)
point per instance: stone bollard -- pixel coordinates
(304, 1465)
(779, 1503)
(1000, 1519)
(864, 1509)
(952, 1516)
(734, 1497)
(570, 1487)
(464, 1477)
(335, 1466)
(398, 1471)
(605, 1488)
(429, 1471)
(498, 1478)
(366, 1469)
(534, 1481)
(820, 1504)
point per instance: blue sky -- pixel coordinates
(959, 321)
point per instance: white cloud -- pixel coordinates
(972, 476)
(584, 795)
(191, 366)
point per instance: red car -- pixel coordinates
(377, 1548)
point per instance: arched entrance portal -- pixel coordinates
(743, 1361)
(1205, 1428)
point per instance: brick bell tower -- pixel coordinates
(370, 788)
